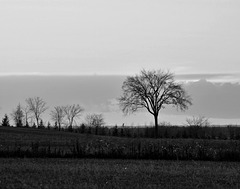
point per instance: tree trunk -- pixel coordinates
(26, 116)
(37, 121)
(156, 125)
(70, 124)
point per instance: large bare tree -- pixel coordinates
(153, 90)
(72, 112)
(37, 107)
(57, 115)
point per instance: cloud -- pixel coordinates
(100, 93)
(216, 100)
(214, 77)
(111, 105)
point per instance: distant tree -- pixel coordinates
(37, 107)
(17, 116)
(95, 120)
(32, 121)
(200, 121)
(55, 126)
(34, 125)
(41, 125)
(26, 113)
(72, 112)
(49, 126)
(5, 121)
(27, 124)
(82, 128)
(57, 115)
(153, 90)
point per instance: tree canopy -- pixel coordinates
(153, 90)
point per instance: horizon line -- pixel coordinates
(181, 77)
(111, 74)
(57, 74)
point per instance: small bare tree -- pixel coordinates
(72, 112)
(95, 120)
(18, 115)
(153, 90)
(57, 115)
(26, 113)
(37, 107)
(200, 121)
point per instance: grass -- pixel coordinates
(22, 142)
(119, 170)
(98, 173)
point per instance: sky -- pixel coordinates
(198, 40)
(119, 37)
(217, 101)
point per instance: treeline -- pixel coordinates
(165, 131)
(173, 132)
(30, 115)
(64, 119)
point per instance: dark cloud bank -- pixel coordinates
(217, 100)
(97, 93)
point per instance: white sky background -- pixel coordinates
(119, 37)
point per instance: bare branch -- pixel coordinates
(37, 107)
(57, 115)
(95, 120)
(17, 115)
(72, 112)
(200, 121)
(152, 90)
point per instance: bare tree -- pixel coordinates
(37, 107)
(58, 115)
(200, 121)
(153, 90)
(95, 120)
(72, 112)
(18, 115)
(26, 113)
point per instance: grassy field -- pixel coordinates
(114, 162)
(97, 173)
(27, 142)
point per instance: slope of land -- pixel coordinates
(29, 142)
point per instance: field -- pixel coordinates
(28, 142)
(41, 158)
(99, 173)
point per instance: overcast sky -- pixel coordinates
(98, 94)
(195, 39)
(119, 37)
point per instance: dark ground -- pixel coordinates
(99, 173)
